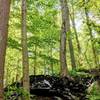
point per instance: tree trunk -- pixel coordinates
(72, 16)
(75, 30)
(25, 51)
(4, 18)
(90, 32)
(44, 63)
(51, 62)
(35, 59)
(64, 30)
(71, 49)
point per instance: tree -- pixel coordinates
(71, 49)
(72, 16)
(64, 30)
(90, 33)
(35, 58)
(4, 18)
(25, 50)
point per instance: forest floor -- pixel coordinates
(56, 88)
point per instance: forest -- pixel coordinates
(49, 49)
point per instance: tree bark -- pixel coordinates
(4, 18)
(51, 56)
(90, 32)
(72, 16)
(51, 63)
(75, 30)
(25, 61)
(71, 49)
(64, 30)
(35, 59)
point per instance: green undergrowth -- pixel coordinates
(95, 92)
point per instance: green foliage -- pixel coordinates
(14, 92)
(43, 31)
(95, 93)
(13, 44)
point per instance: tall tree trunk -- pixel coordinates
(25, 51)
(35, 59)
(44, 63)
(51, 62)
(4, 18)
(72, 16)
(90, 32)
(71, 49)
(64, 30)
(17, 71)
